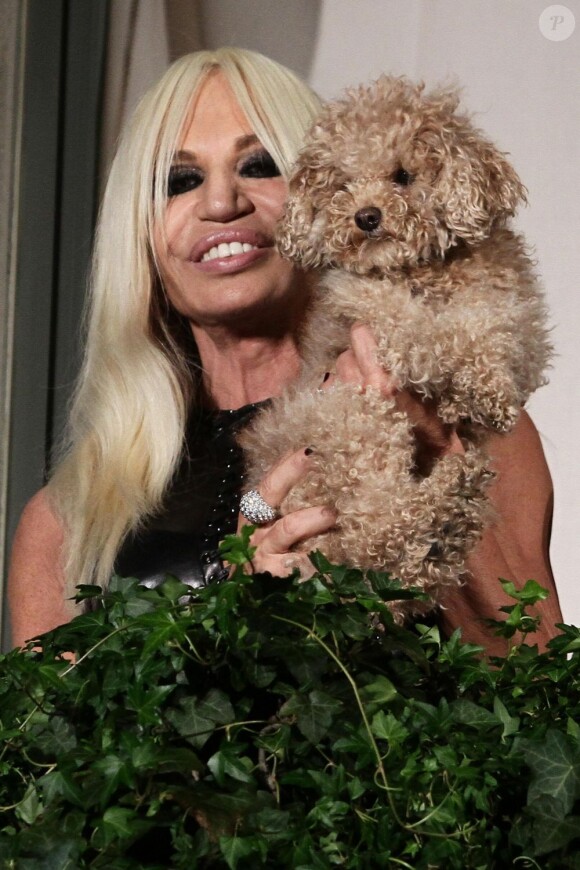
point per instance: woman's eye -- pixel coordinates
(260, 165)
(402, 177)
(182, 179)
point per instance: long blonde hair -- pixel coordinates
(128, 413)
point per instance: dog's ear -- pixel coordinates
(300, 233)
(478, 187)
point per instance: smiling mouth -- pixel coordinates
(227, 249)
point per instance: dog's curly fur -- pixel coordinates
(402, 203)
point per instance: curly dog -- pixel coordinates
(401, 204)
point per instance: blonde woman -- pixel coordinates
(192, 323)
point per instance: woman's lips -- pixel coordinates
(230, 250)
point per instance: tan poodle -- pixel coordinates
(402, 203)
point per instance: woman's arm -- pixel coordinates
(35, 579)
(515, 545)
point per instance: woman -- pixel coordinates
(193, 322)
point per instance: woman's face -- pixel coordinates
(218, 263)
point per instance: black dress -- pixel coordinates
(200, 507)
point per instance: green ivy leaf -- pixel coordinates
(551, 827)
(386, 727)
(51, 673)
(321, 593)
(236, 549)
(119, 824)
(328, 811)
(196, 718)
(380, 691)
(555, 764)
(273, 821)
(573, 730)
(59, 783)
(530, 593)
(352, 623)
(114, 771)
(47, 850)
(511, 724)
(30, 807)
(173, 759)
(228, 762)
(58, 739)
(305, 662)
(467, 713)
(235, 848)
(314, 713)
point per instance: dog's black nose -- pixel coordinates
(368, 219)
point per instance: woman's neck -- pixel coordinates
(240, 370)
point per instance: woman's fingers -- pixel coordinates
(278, 482)
(274, 541)
(358, 365)
(364, 348)
(274, 545)
(296, 527)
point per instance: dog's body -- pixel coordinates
(467, 330)
(403, 204)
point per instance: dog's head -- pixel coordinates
(390, 176)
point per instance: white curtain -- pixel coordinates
(144, 37)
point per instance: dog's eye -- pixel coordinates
(402, 177)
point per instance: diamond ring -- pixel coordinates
(255, 509)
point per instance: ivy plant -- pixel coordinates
(267, 722)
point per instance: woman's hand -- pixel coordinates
(275, 540)
(358, 365)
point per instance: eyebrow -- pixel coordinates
(240, 144)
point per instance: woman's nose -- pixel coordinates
(222, 198)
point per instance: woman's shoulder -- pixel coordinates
(36, 576)
(39, 522)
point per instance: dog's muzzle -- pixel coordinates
(368, 218)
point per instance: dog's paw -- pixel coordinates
(491, 401)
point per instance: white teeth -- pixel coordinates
(226, 249)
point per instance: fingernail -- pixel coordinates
(326, 377)
(309, 451)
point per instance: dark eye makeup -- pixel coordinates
(183, 178)
(259, 164)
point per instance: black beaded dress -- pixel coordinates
(200, 507)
